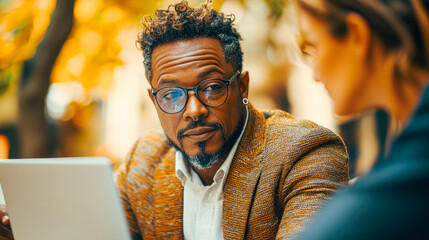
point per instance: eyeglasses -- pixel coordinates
(211, 92)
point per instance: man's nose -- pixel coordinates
(194, 108)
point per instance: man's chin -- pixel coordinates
(202, 161)
(200, 151)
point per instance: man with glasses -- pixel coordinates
(221, 169)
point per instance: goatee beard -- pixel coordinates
(204, 160)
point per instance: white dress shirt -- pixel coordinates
(202, 205)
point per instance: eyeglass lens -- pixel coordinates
(211, 92)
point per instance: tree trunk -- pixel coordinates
(35, 79)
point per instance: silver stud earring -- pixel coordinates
(245, 101)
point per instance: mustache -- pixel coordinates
(192, 125)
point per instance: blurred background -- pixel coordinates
(78, 88)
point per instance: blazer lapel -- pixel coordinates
(243, 178)
(168, 200)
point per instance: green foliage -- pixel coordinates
(5, 79)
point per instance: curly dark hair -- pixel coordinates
(181, 22)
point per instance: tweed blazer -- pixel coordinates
(282, 171)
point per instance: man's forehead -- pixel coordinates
(187, 55)
(187, 47)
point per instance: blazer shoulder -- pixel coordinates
(146, 153)
(294, 138)
(281, 125)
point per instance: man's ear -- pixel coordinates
(358, 36)
(149, 91)
(244, 84)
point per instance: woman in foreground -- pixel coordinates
(374, 54)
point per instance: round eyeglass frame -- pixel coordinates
(195, 90)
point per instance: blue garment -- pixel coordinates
(391, 202)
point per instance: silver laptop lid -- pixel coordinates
(63, 198)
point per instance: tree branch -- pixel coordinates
(35, 80)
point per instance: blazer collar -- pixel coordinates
(243, 177)
(167, 200)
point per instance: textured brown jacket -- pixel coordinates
(282, 171)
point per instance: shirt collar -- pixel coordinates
(184, 172)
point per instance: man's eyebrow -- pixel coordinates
(204, 74)
(200, 76)
(166, 81)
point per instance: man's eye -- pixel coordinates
(213, 87)
(172, 95)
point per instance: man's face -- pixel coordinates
(185, 64)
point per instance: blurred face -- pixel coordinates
(203, 134)
(335, 65)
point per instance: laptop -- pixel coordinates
(63, 198)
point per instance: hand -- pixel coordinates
(5, 229)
